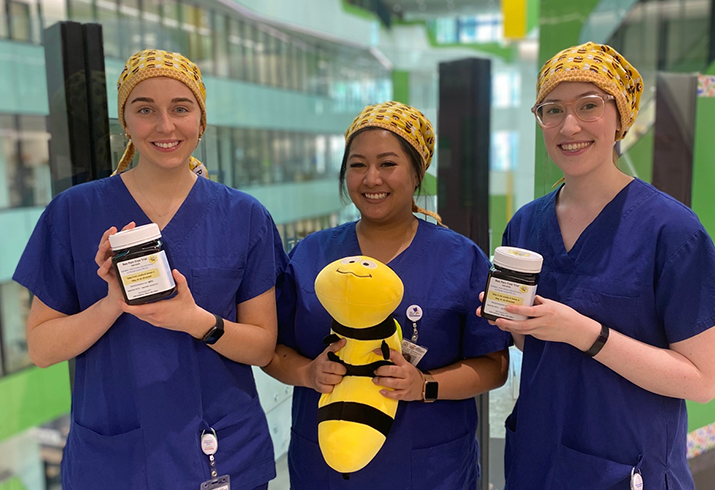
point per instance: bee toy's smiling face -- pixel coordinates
(358, 291)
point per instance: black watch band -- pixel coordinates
(600, 342)
(214, 332)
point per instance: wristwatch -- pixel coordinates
(214, 332)
(430, 389)
(600, 341)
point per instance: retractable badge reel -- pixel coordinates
(410, 350)
(636, 479)
(209, 446)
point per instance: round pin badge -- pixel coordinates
(209, 444)
(414, 313)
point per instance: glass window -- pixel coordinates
(24, 20)
(220, 41)
(248, 38)
(8, 161)
(481, 28)
(281, 63)
(266, 156)
(131, 28)
(272, 61)
(14, 308)
(81, 11)
(24, 161)
(236, 48)
(506, 89)
(151, 22)
(35, 157)
(53, 11)
(108, 16)
(445, 30)
(292, 66)
(337, 148)
(295, 59)
(260, 52)
(239, 155)
(252, 157)
(175, 36)
(323, 74)
(225, 159)
(195, 22)
(503, 150)
(3, 20)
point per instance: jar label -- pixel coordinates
(502, 293)
(146, 275)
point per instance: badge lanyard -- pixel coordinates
(410, 350)
(414, 313)
(209, 446)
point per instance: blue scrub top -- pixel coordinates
(646, 268)
(142, 394)
(430, 446)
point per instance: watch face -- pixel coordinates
(431, 389)
(213, 335)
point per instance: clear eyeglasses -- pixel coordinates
(587, 108)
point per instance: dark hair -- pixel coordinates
(409, 150)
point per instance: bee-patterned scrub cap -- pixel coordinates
(152, 63)
(406, 122)
(604, 67)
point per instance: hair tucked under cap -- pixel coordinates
(604, 67)
(406, 122)
(152, 63)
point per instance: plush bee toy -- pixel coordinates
(360, 293)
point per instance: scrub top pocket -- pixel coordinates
(109, 462)
(575, 470)
(610, 307)
(306, 464)
(448, 466)
(215, 289)
(245, 445)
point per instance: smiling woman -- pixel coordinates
(455, 354)
(621, 331)
(157, 385)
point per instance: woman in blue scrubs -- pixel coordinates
(432, 443)
(621, 331)
(151, 379)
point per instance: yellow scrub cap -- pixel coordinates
(604, 67)
(158, 63)
(406, 122)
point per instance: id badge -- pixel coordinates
(219, 483)
(412, 352)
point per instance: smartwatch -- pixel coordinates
(430, 389)
(214, 332)
(600, 342)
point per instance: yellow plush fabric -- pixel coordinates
(601, 65)
(359, 293)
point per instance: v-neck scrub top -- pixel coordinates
(646, 268)
(142, 394)
(431, 446)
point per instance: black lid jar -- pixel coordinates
(512, 280)
(141, 264)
